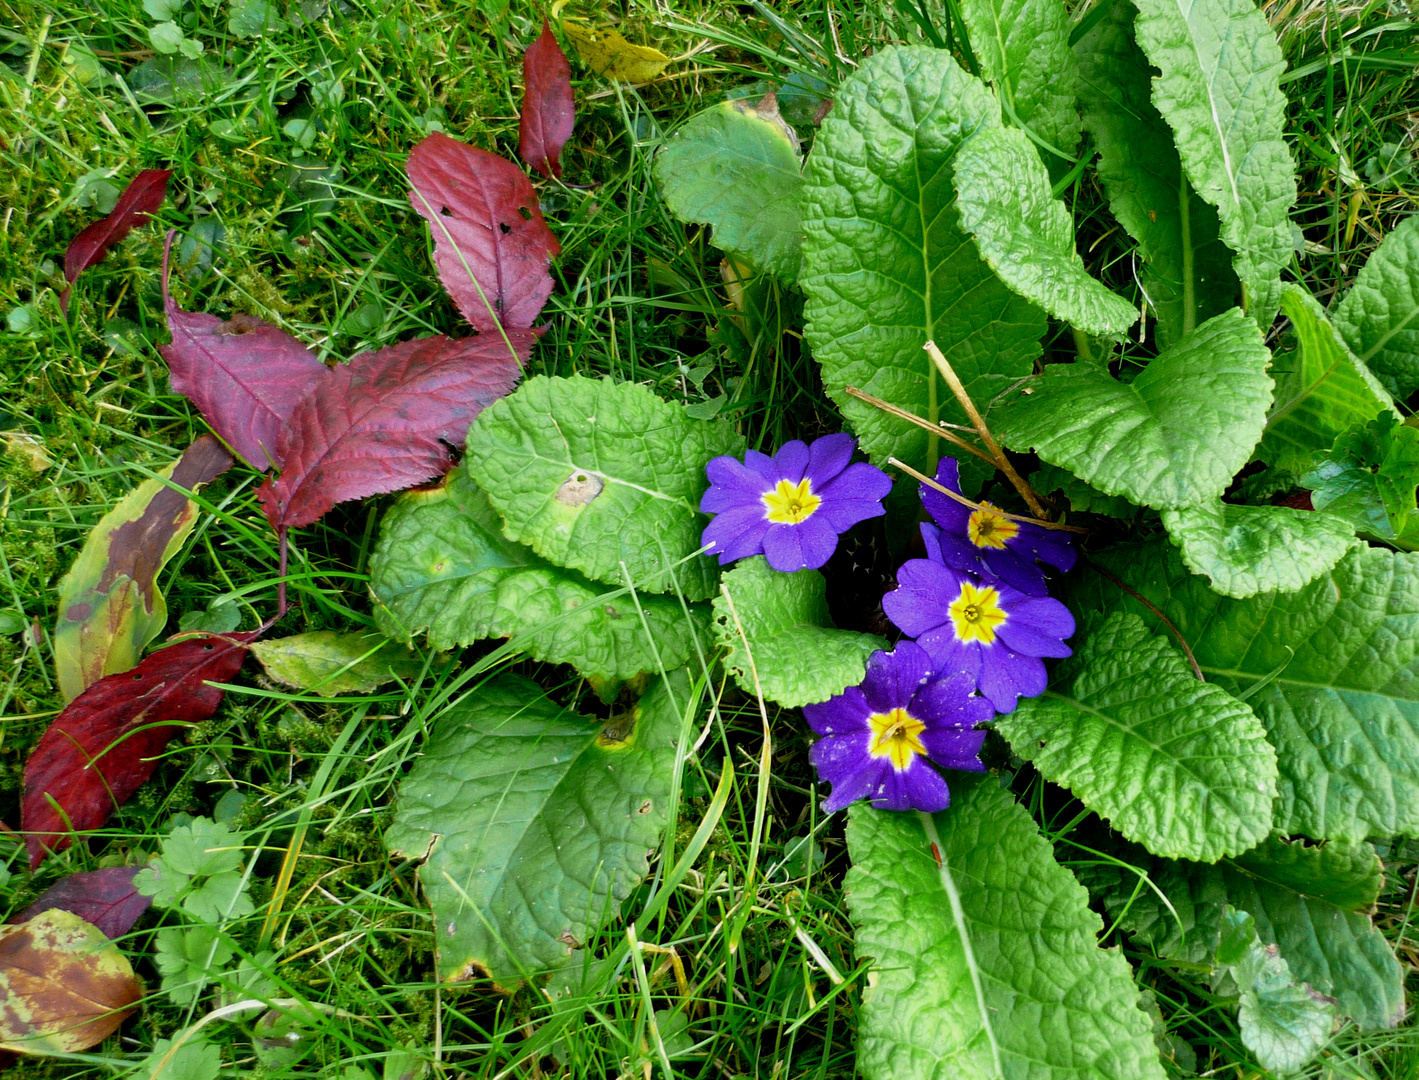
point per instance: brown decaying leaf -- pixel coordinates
(548, 109)
(386, 420)
(245, 376)
(106, 743)
(139, 199)
(63, 986)
(104, 897)
(491, 245)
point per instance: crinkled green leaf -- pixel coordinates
(443, 567)
(1172, 438)
(535, 821)
(1187, 927)
(1340, 873)
(986, 965)
(331, 663)
(1022, 46)
(1187, 275)
(736, 167)
(602, 477)
(1332, 670)
(1321, 389)
(1176, 764)
(1245, 550)
(1220, 91)
(1027, 235)
(1049, 480)
(1369, 476)
(1283, 1021)
(885, 265)
(799, 656)
(1379, 316)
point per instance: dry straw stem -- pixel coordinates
(929, 482)
(912, 418)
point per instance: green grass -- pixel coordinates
(320, 239)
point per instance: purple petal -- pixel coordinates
(839, 757)
(1006, 676)
(791, 460)
(839, 715)
(917, 787)
(924, 592)
(1044, 614)
(949, 702)
(950, 656)
(960, 554)
(855, 495)
(731, 485)
(893, 678)
(763, 465)
(1048, 545)
(805, 546)
(1026, 640)
(735, 534)
(1017, 572)
(955, 749)
(829, 456)
(946, 511)
(856, 786)
(931, 537)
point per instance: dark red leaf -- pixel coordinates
(548, 110)
(139, 199)
(385, 421)
(106, 743)
(485, 220)
(105, 898)
(244, 375)
(1297, 500)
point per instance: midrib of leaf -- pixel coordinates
(958, 916)
(1232, 673)
(1209, 77)
(1189, 312)
(1413, 314)
(1306, 391)
(662, 496)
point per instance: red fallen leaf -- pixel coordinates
(548, 110)
(105, 744)
(139, 199)
(1297, 500)
(105, 898)
(486, 223)
(245, 376)
(382, 421)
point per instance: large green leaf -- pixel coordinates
(1321, 389)
(1171, 438)
(885, 265)
(1022, 46)
(602, 477)
(1220, 92)
(735, 167)
(1176, 764)
(535, 822)
(1188, 275)
(443, 567)
(799, 656)
(1369, 477)
(1332, 670)
(1346, 875)
(1379, 316)
(1027, 235)
(1245, 550)
(986, 962)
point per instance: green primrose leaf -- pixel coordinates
(1173, 763)
(602, 477)
(1027, 235)
(799, 656)
(330, 663)
(1321, 389)
(1336, 872)
(1082, 498)
(443, 567)
(735, 167)
(535, 821)
(1245, 550)
(1284, 1022)
(1220, 91)
(187, 957)
(1331, 670)
(885, 264)
(1022, 46)
(986, 962)
(1187, 275)
(1170, 439)
(1379, 316)
(1369, 476)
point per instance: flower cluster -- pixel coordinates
(977, 608)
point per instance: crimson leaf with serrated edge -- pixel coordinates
(548, 109)
(104, 897)
(386, 420)
(245, 376)
(491, 246)
(139, 199)
(107, 742)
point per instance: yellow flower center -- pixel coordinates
(790, 504)
(989, 528)
(894, 736)
(976, 614)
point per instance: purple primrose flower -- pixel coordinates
(987, 543)
(878, 736)
(993, 632)
(792, 506)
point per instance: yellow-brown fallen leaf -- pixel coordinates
(607, 53)
(63, 986)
